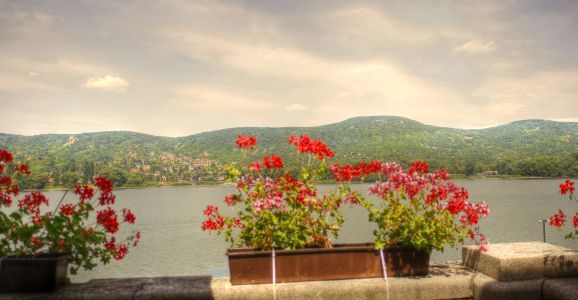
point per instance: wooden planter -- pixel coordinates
(33, 274)
(344, 261)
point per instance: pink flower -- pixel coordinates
(211, 209)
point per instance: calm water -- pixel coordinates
(173, 244)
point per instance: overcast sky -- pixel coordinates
(175, 68)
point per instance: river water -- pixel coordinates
(173, 243)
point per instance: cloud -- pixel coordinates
(545, 94)
(296, 107)
(365, 24)
(107, 83)
(197, 97)
(476, 47)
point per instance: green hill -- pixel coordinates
(526, 148)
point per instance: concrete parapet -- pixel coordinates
(447, 281)
(507, 271)
(522, 261)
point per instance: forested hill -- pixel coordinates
(528, 148)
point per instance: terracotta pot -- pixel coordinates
(343, 261)
(33, 274)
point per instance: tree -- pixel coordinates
(115, 174)
(69, 179)
(35, 181)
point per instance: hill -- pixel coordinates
(526, 148)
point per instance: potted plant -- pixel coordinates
(418, 212)
(38, 245)
(283, 229)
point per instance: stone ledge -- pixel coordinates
(522, 261)
(486, 287)
(446, 281)
(560, 289)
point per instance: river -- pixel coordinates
(173, 243)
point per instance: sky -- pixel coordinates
(176, 68)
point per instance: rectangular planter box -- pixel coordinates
(35, 274)
(344, 261)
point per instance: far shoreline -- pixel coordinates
(323, 182)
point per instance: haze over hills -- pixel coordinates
(528, 148)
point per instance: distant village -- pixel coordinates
(138, 169)
(176, 168)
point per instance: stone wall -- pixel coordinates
(507, 271)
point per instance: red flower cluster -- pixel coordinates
(558, 219)
(120, 250)
(32, 203)
(36, 242)
(22, 169)
(136, 239)
(346, 173)
(67, 209)
(84, 192)
(7, 188)
(128, 216)
(211, 209)
(255, 166)
(420, 167)
(105, 186)
(273, 162)
(233, 199)
(215, 220)
(304, 144)
(5, 156)
(108, 219)
(567, 187)
(246, 142)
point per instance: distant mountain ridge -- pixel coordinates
(526, 147)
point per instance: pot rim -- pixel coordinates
(36, 256)
(346, 247)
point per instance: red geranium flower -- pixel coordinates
(67, 209)
(558, 219)
(246, 142)
(567, 187)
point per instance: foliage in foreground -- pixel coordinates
(86, 231)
